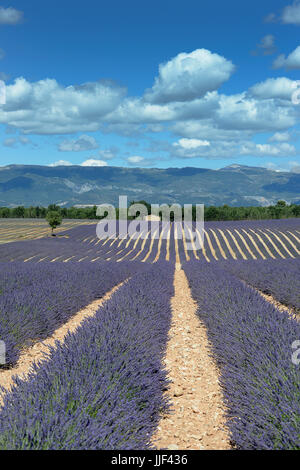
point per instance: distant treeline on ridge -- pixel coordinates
(279, 211)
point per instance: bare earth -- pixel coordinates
(197, 420)
(37, 352)
(281, 307)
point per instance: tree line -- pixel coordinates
(281, 210)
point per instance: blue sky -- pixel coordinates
(151, 84)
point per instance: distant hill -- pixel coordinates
(235, 185)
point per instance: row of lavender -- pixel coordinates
(35, 299)
(252, 344)
(279, 278)
(227, 242)
(103, 388)
(62, 249)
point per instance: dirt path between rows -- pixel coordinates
(281, 307)
(269, 298)
(197, 420)
(37, 352)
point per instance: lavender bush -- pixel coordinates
(251, 341)
(280, 278)
(103, 388)
(35, 299)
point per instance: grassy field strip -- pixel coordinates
(197, 420)
(37, 352)
(272, 243)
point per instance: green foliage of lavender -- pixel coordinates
(103, 388)
(252, 343)
(35, 299)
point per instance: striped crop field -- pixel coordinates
(12, 230)
(150, 341)
(78, 241)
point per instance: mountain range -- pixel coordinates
(235, 185)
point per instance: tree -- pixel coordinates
(54, 219)
(281, 204)
(19, 212)
(4, 212)
(211, 213)
(295, 210)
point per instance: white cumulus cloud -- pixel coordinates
(10, 142)
(191, 143)
(108, 154)
(291, 62)
(291, 14)
(281, 88)
(135, 159)
(45, 107)
(61, 163)
(15, 141)
(244, 113)
(280, 137)
(10, 16)
(188, 76)
(92, 162)
(266, 45)
(83, 143)
(261, 150)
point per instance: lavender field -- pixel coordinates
(246, 240)
(104, 386)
